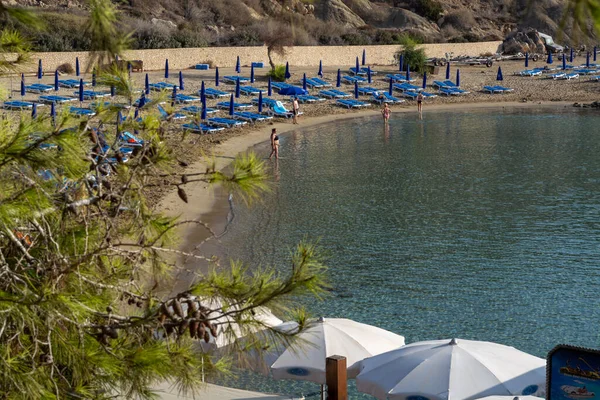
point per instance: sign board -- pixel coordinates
(573, 373)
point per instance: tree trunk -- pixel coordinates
(270, 58)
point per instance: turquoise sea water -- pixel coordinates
(479, 225)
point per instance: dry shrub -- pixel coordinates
(210, 63)
(462, 19)
(65, 68)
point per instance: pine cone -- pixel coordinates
(184, 179)
(177, 308)
(183, 326)
(182, 194)
(194, 329)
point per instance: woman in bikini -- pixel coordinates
(420, 105)
(386, 112)
(274, 144)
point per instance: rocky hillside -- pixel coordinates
(186, 23)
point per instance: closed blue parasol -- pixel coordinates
(571, 55)
(549, 60)
(304, 81)
(252, 73)
(202, 93)
(448, 70)
(77, 66)
(338, 81)
(217, 76)
(364, 57)
(142, 101)
(292, 91)
(595, 51)
(147, 85)
(369, 74)
(167, 68)
(53, 111)
(356, 89)
(391, 87)
(408, 72)
(56, 87)
(129, 69)
(269, 88)
(499, 76)
(112, 90)
(357, 66)
(94, 78)
(260, 102)
(34, 111)
(287, 70)
(22, 87)
(526, 60)
(40, 73)
(425, 80)
(174, 95)
(203, 113)
(320, 73)
(231, 105)
(564, 62)
(457, 77)
(136, 114)
(401, 63)
(119, 118)
(81, 90)
(587, 59)
(181, 84)
(237, 88)
(238, 67)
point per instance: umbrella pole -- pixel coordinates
(322, 392)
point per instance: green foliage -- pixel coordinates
(582, 11)
(278, 73)
(431, 9)
(413, 56)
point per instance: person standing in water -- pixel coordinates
(420, 105)
(274, 144)
(386, 112)
(295, 109)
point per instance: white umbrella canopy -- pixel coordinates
(324, 338)
(451, 370)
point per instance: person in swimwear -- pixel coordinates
(420, 105)
(386, 112)
(274, 144)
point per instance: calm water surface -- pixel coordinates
(479, 225)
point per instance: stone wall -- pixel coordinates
(297, 56)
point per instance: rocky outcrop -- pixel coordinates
(408, 20)
(523, 42)
(335, 11)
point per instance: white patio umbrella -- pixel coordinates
(325, 338)
(451, 370)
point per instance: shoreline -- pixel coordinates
(211, 206)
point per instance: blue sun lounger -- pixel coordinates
(385, 97)
(361, 71)
(586, 71)
(128, 139)
(158, 86)
(492, 89)
(352, 79)
(277, 109)
(38, 88)
(198, 110)
(56, 99)
(214, 93)
(321, 82)
(17, 105)
(71, 83)
(108, 104)
(595, 78)
(234, 79)
(413, 95)
(224, 105)
(184, 98)
(558, 75)
(305, 98)
(407, 87)
(250, 90)
(310, 82)
(447, 91)
(334, 94)
(440, 84)
(571, 76)
(91, 94)
(81, 112)
(352, 103)
(250, 116)
(226, 122)
(279, 85)
(366, 90)
(530, 72)
(503, 89)
(164, 114)
(201, 128)
(267, 101)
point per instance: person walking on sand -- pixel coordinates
(274, 144)
(385, 111)
(420, 105)
(295, 109)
